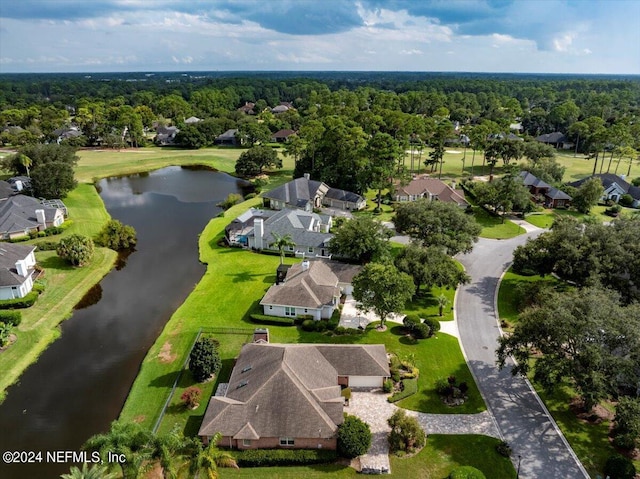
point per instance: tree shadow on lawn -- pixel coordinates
(244, 276)
(55, 262)
(164, 380)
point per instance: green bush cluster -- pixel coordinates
(11, 317)
(342, 331)
(19, 303)
(272, 320)
(47, 245)
(283, 457)
(434, 325)
(466, 472)
(354, 437)
(619, 467)
(313, 325)
(503, 449)
(409, 387)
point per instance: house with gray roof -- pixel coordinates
(614, 187)
(257, 229)
(289, 395)
(310, 288)
(21, 215)
(17, 266)
(307, 194)
(552, 197)
(556, 139)
(228, 138)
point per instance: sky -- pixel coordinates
(521, 36)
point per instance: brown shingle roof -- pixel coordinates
(422, 185)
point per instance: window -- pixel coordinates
(289, 311)
(287, 441)
(290, 248)
(310, 249)
(246, 442)
(306, 310)
(270, 306)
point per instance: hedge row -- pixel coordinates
(272, 320)
(19, 303)
(11, 317)
(410, 387)
(283, 457)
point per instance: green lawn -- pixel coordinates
(546, 218)
(493, 227)
(65, 286)
(438, 458)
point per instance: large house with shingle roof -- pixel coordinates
(431, 189)
(289, 395)
(21, 215)
(257, 229)
(17, 265)
(614, 188)
(307, 194)
(552, 197)
(310, 288)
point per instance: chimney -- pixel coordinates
(261, 335)
(19, 185)
(453, 185)
(307, 176)
(21, 268)
(305, 265)
(40, 218)
(258, 232)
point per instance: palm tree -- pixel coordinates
(127, 439)
(26, 162)
(209, 458)
(442, 302)
(94, 472)
(168, 450)
(280, 242)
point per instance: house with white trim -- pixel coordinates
(17, 266)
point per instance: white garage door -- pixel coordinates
(365, 381)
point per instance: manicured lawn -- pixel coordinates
(234, 283)
(546, 218)
(65, 286)
(493, 227)
(425, 304)
(438, 458)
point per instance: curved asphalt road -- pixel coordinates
(518, 411)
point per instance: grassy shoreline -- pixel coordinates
(66, 286)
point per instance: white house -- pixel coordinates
(17, 263)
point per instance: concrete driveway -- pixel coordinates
(521, 416)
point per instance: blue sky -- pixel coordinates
(546, 36)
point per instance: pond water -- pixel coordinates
(80, 383)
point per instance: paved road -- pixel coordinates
(520, 416)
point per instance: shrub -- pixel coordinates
(387, 386)
(250, 196)
(282, 457)
(11, 317)
(19, 239)
(464, 387)
(47, 245)
(342, 331)
(76, 249)
(191, 397)
(619, 467)
(406, 433)
(613, 210)
(117, 236)
(409, 387)
(443, 388)
(503, 449)
(273, 320)
(52, 230)
(354, 437)
(626, 200)
(308, 325)
(19, 303)
(410, 321)
(230, 200)
(466, 472)
(434, 325)
(626, 430)
(204, 360)
(5, 333)
(421, 331)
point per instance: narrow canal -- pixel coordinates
(80, 383)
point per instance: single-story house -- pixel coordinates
(430, 188)
(553, 197)
(65, 133)
(614, 187)
(289, 395)
(281, 136)
(255, 229)
(307, 194)
(17, 265)
(310, 288)
(557, 140)
(228, 138)
(21, 215)
(248, 108)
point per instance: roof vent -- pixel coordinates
(242, 384)
(247, 368)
